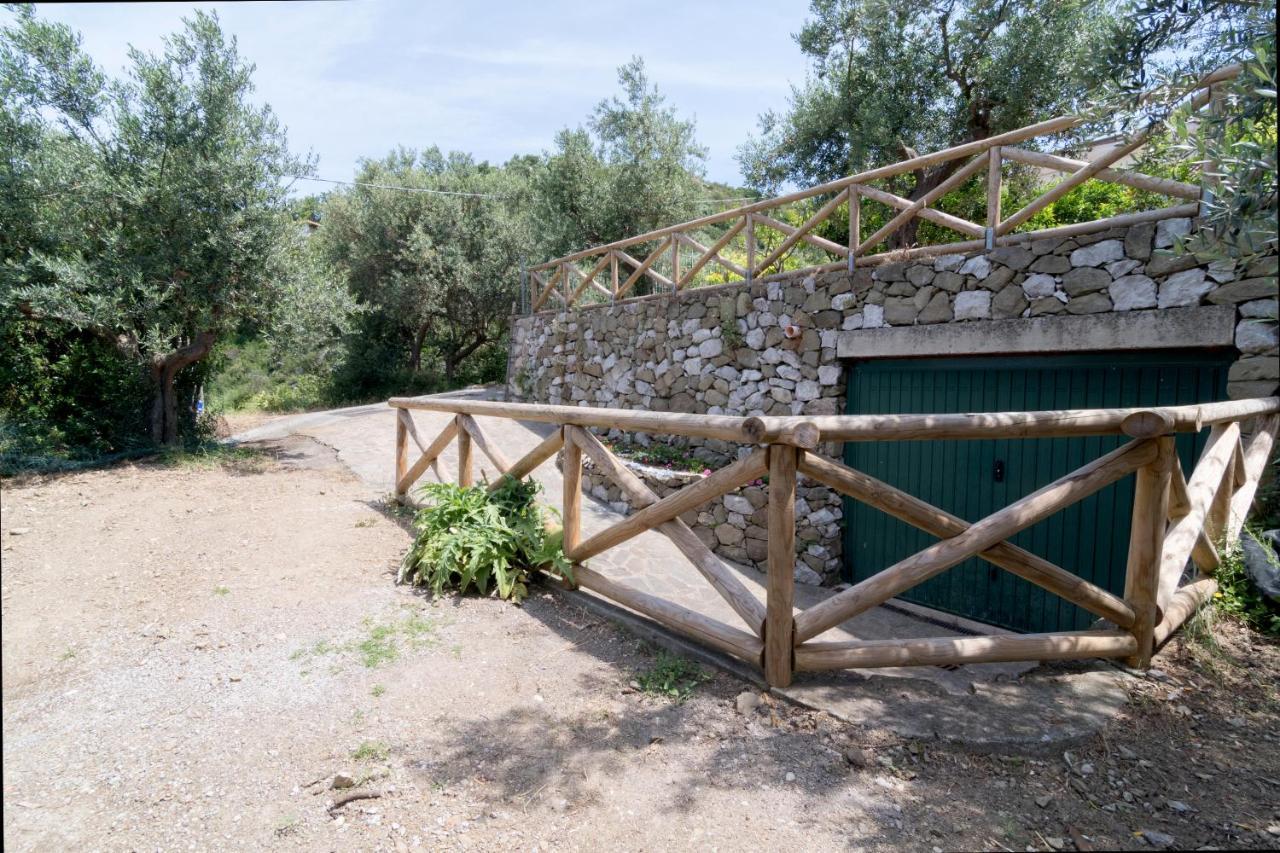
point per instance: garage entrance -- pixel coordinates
(975, 478)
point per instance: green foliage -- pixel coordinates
(148, 211)
(893, 77)
(371, 750)
(672, 676)
(1238, 596)
(468, 537)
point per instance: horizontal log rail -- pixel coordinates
(1178, 521)
(576, 274)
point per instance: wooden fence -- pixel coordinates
(564, 282)
(1176, 520)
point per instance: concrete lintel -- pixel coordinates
(1212, 326)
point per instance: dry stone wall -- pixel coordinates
(770, 347)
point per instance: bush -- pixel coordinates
(1239, 597)
(468, 537)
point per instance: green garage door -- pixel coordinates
(975, 478)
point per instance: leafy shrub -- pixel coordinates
(672, 676)
(1239, 597)
(469, 537)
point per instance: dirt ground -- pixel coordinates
(192, 652)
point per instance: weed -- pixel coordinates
(68, 654)
(731, 337)
(1239, 597)
(371, 750)
(381, 645)
(672, 676)
(221, 590)
(378, 690)
(357, 717)
(288, 825)
(366, 522)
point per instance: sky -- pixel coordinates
(356, 78)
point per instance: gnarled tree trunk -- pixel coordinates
(164, 405)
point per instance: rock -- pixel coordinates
(806, 575)
(1098, 254)
(1137, 242)
(1258, 308)
(1090, 303)
(1008, 304)
(1256, 336)
(973, 305)
(1055, 843)
(978, 267)
(1183, 288)
(342, 780)
(1047, 305)
(727, 534)
(19, 531)
(920, 275)
(1052, 264)
(808, 390)
(790, 777)
(1179, 807)
(738, 504)
(1166, 262)
(1254, 368)
(949, 281)
(711, 348)
(998, 278)
(1133, 292)
(829, 374)
(938, 310)
(1120, 269)
(1169, 230)
(859, 757)
(1263, 567)
(872, 316)
(560, 804)
(1044, 800)
(1244, 290)
(1156, 839)
(899, 311)
(948, 263)
(1014, 257)
(1085, 280)
(842, 301)
(747, 702)
(1039, 285)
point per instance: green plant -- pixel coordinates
(378, 690)
(371, 750)
(1238, 596)
(470, 537)
(672, 676)
(221, 590)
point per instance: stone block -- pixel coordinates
(1184, 288)
(977, 266)
(1051, 264)
(1089, 303)
(938, 310)
(1084, 280)
(1244, 290)
(948, 263)
(1133, 292)
(1169, 231)
(1014, 257)
(1260, 308)
(998, 278)
(899, 311)
(949, 281)
(973, 305)
(1008, 303)
(1165, 263)
(1254, 368)
(1047, 305)
(1256, 336)
(1137, 243)
(919, 274)
(1098, 254)
(1039, 285)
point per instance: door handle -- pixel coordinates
(997, 471)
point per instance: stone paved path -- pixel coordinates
(363, 437)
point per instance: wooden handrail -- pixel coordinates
(1172, 520)
(989, 153)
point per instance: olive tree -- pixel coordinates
(148, 210)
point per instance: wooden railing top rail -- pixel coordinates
(564, 280)
(808, 432)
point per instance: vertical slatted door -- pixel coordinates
(975, 478)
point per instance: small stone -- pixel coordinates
(790, 777)
(1090, 303)
(1044, 800)
(1180, 807)
(1055, 843)
(1039, 285)
(747, 702)
(1098, 254)
(560, 804)
(342, 780)
(978, 267)
(948, 263)
(807, 576)
(1169, 230)
(739, 504)
(19, 531)
(859, 757)
(1157, 839)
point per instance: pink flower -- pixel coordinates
(706, 472)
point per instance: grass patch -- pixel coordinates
(206, 457)
(378, 690)
(68, 654)
(1238, 597)
(371, 750)
(672, 676)
(221, 590)
(381, 644)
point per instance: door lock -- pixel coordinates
(997, 471)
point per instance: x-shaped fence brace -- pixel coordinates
(1176, 521)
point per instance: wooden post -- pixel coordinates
(675, 262)
(572, 515)
(402, 452)
(751, 248)
(855, 223)
(779, 632)
(1146, 542)
(465, 476)
(613, 272)
(993, 196)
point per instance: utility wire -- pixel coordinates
(469, 195)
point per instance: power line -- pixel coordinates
(472, 195)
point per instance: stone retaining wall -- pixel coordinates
(771, 347)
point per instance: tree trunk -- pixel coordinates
(415, 350)
(164, 403)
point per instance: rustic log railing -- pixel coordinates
(564, 282)
(1177, 521)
